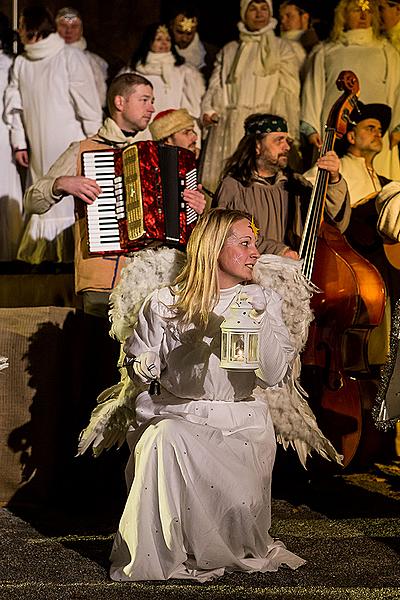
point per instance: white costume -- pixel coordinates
(258, 74)
(99, 67)
(174, 86)
(362, 183)
(377, 66)
(194, 54)
(293, 36)
(11, 220)
(207, 449)
(200, 501)
(51, 101)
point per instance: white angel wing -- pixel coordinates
(293, 419)
(145, 271)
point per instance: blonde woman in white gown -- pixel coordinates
(202, 453)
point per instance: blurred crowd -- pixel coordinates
(54, 93)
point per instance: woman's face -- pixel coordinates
(161, 42)
(257, 15)
(357, 18)
(238, 255)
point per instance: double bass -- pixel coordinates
(351, 303)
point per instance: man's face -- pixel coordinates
(257, 16)
(70, 29)
(136, 109)
(356, 18)
(390, 14)
(292, 19)
(366, 137)
(273, 150)
(183, 31)
(186, 138)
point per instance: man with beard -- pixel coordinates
(257, 180)
(374, 226)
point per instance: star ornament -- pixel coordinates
(364, 5)
(254, 227)
(188, 24)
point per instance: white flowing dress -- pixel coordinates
(51, 102)
(200, 470)
(11, 212)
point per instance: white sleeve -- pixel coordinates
(82, 89)
(212, 100)
(193, 91)
(13, 109)
(286, 100)
(314, 90)
(276, 350)
(149, 331)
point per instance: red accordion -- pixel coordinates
(141, 200)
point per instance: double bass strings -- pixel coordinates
(315, 210)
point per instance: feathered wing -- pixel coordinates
(145, 271)
(294, 422)
(293, 419)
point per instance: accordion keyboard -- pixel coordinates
(191, 184)
(103, 231)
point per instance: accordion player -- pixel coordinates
(141, 200)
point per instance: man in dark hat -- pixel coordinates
(256, 179)
(375, 205)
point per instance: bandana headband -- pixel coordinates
(266, 124)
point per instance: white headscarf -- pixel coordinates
(244, 4)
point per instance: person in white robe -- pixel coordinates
(51, 101)
(295, 27)
(175, 83)
(259, 73)
(202, 453)
(11, 208)
(357, 45)
(70, 27)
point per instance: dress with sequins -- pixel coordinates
(199, 474)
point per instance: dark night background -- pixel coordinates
(113, 28)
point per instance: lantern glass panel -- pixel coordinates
(237, 347)
(224, 346)
(253, 347)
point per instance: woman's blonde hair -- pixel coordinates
(339, 22)
(196, 287)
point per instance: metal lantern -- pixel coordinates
(240, 336)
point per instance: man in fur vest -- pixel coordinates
(130, 104)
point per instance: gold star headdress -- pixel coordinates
(187, 24)
(364, 5)
(254, 227)
(162, 29)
